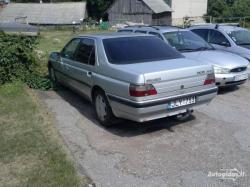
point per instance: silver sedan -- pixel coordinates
(134, 77)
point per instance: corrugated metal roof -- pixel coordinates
(158, 6)
(45, 13)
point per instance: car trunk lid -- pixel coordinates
(173, 75)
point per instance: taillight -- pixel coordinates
(142, 91)
(210, 79)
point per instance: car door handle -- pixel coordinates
(89, 74)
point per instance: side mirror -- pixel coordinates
(226, 44)
(55, 56)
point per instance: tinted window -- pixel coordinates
(69, 50)
(125, 30)
(156, 34)
(129, 50)
(144, 32)
(215, 37)
(202, 33)
(86, 52)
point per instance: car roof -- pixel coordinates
(158, 29)
(223, 27)
(228, 29)
(110, 35)
(170, 28)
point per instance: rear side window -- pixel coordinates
(202, 33)
(85, 52)
(156, 34)
(69, 50)
(129, 50)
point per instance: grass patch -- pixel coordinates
(50, 41)
(30, 149)
(54, 41)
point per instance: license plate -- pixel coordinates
(241, 77)
(181, 102)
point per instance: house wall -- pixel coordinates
(136, 11)
(122, 18)
(190, 8)
(129, 10)
(162, 19)
(129, 7)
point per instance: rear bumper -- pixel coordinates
(223, 80)
(155, 109)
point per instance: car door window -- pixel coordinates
(69, 50)
(85, 53)
(156, 34)
(216, 37)
(202, 33)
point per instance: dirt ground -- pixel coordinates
(163, 152)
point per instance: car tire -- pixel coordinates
(102, 109)
(52, 76)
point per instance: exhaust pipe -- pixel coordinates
(185, 115)
(190, 111)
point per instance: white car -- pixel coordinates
(231, 38)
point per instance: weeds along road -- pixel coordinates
(162, 152)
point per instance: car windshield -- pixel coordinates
(240, 37)
(129, 50)
(187, 41)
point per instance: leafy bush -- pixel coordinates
(38, 82)
(18, 61)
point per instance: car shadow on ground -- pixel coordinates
(227, 90)
(123, 128)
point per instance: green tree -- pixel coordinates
(216, 7)
(229, 2)
(229, 8)
(97, 8)
(241, 8)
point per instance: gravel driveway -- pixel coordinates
(162, 152)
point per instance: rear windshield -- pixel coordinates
(130, 50)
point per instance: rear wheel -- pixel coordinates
(102, 109)
(52, 77)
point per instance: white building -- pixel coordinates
(195, 9)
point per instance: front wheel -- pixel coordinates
(102, 109)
